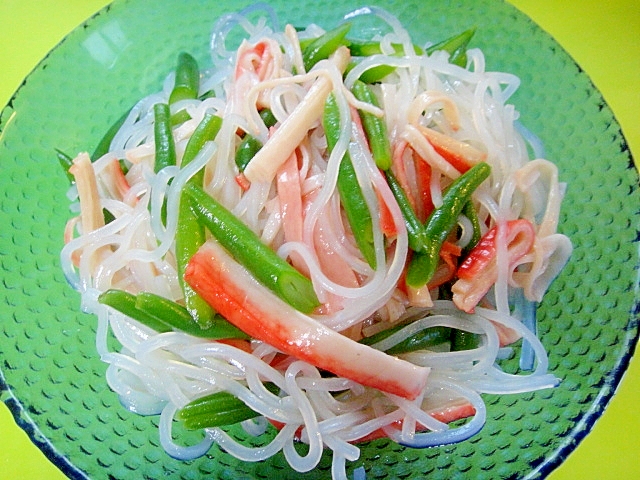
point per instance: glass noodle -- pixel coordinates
(161, 372)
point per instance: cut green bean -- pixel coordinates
(325, 45)
(424, 339)
(268, 117)
(164, 315)
(179, 117)
(187, 79)
(165, 147)
(470, 212)
(351, 196)
(366, 49)
(462, 340)
(218, 410)
(246, 247)
(104, 145)
(190, 233)
(415, 229)
(441, 221)
(179, 318)
(456, 46)
(125, 303)
(66, 162)
(374, 127)
(247, 149)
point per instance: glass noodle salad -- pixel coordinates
(328, 238)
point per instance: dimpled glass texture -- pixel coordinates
(52, 378)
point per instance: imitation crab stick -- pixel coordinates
(244, 302)
(263, 167)
(479, 271)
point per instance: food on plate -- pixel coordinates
(327, 237)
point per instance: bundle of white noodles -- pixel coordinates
(160, 373)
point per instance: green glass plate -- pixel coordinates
(51, 377)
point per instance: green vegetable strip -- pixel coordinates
(66, 162)
(187, 79)
(470, 212)
(456, 46)
(218, 409)
(441, 222)
(367, 49)
(165, 147)
(374, 127)
(190, 233)
(247, 248)
(415, 229)
(268, 117)
(179, 318)
(424, 339)
(164, 315)
(351, 196)
(125, 303)
(325, 45)
(461, 340)
(105, 143)
(246, 151)
(179, 117)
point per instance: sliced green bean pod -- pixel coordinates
(190, 233)
(374, 127)
(247, 149)
(179, 318)
(441, 221)
(218, 410)
(187, 79)
(246, 247)
(351, 196)
(163, 136)
(325, 45)
(456, 46)
(415, 229)
(66, 162)
(104, 145)
(125, 303)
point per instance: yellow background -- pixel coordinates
(602, 36)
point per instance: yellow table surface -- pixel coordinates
(602, 36)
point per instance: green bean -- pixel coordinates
(441, 221)
(462, 340)
(415, 229)
(190, 234)
(247, 149)
(246, 247)
(470, 212)
(125, 302)
(187, 80)
(164, 315)
(456, 46)
(426, 338)
(179, 318)
(374, 127)
(218, 409)
(179, 117)
(367, 49)
(268, 117)
(105, 142)
(165, 147)
(351, 196)
(66, 162)
(325, 45)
